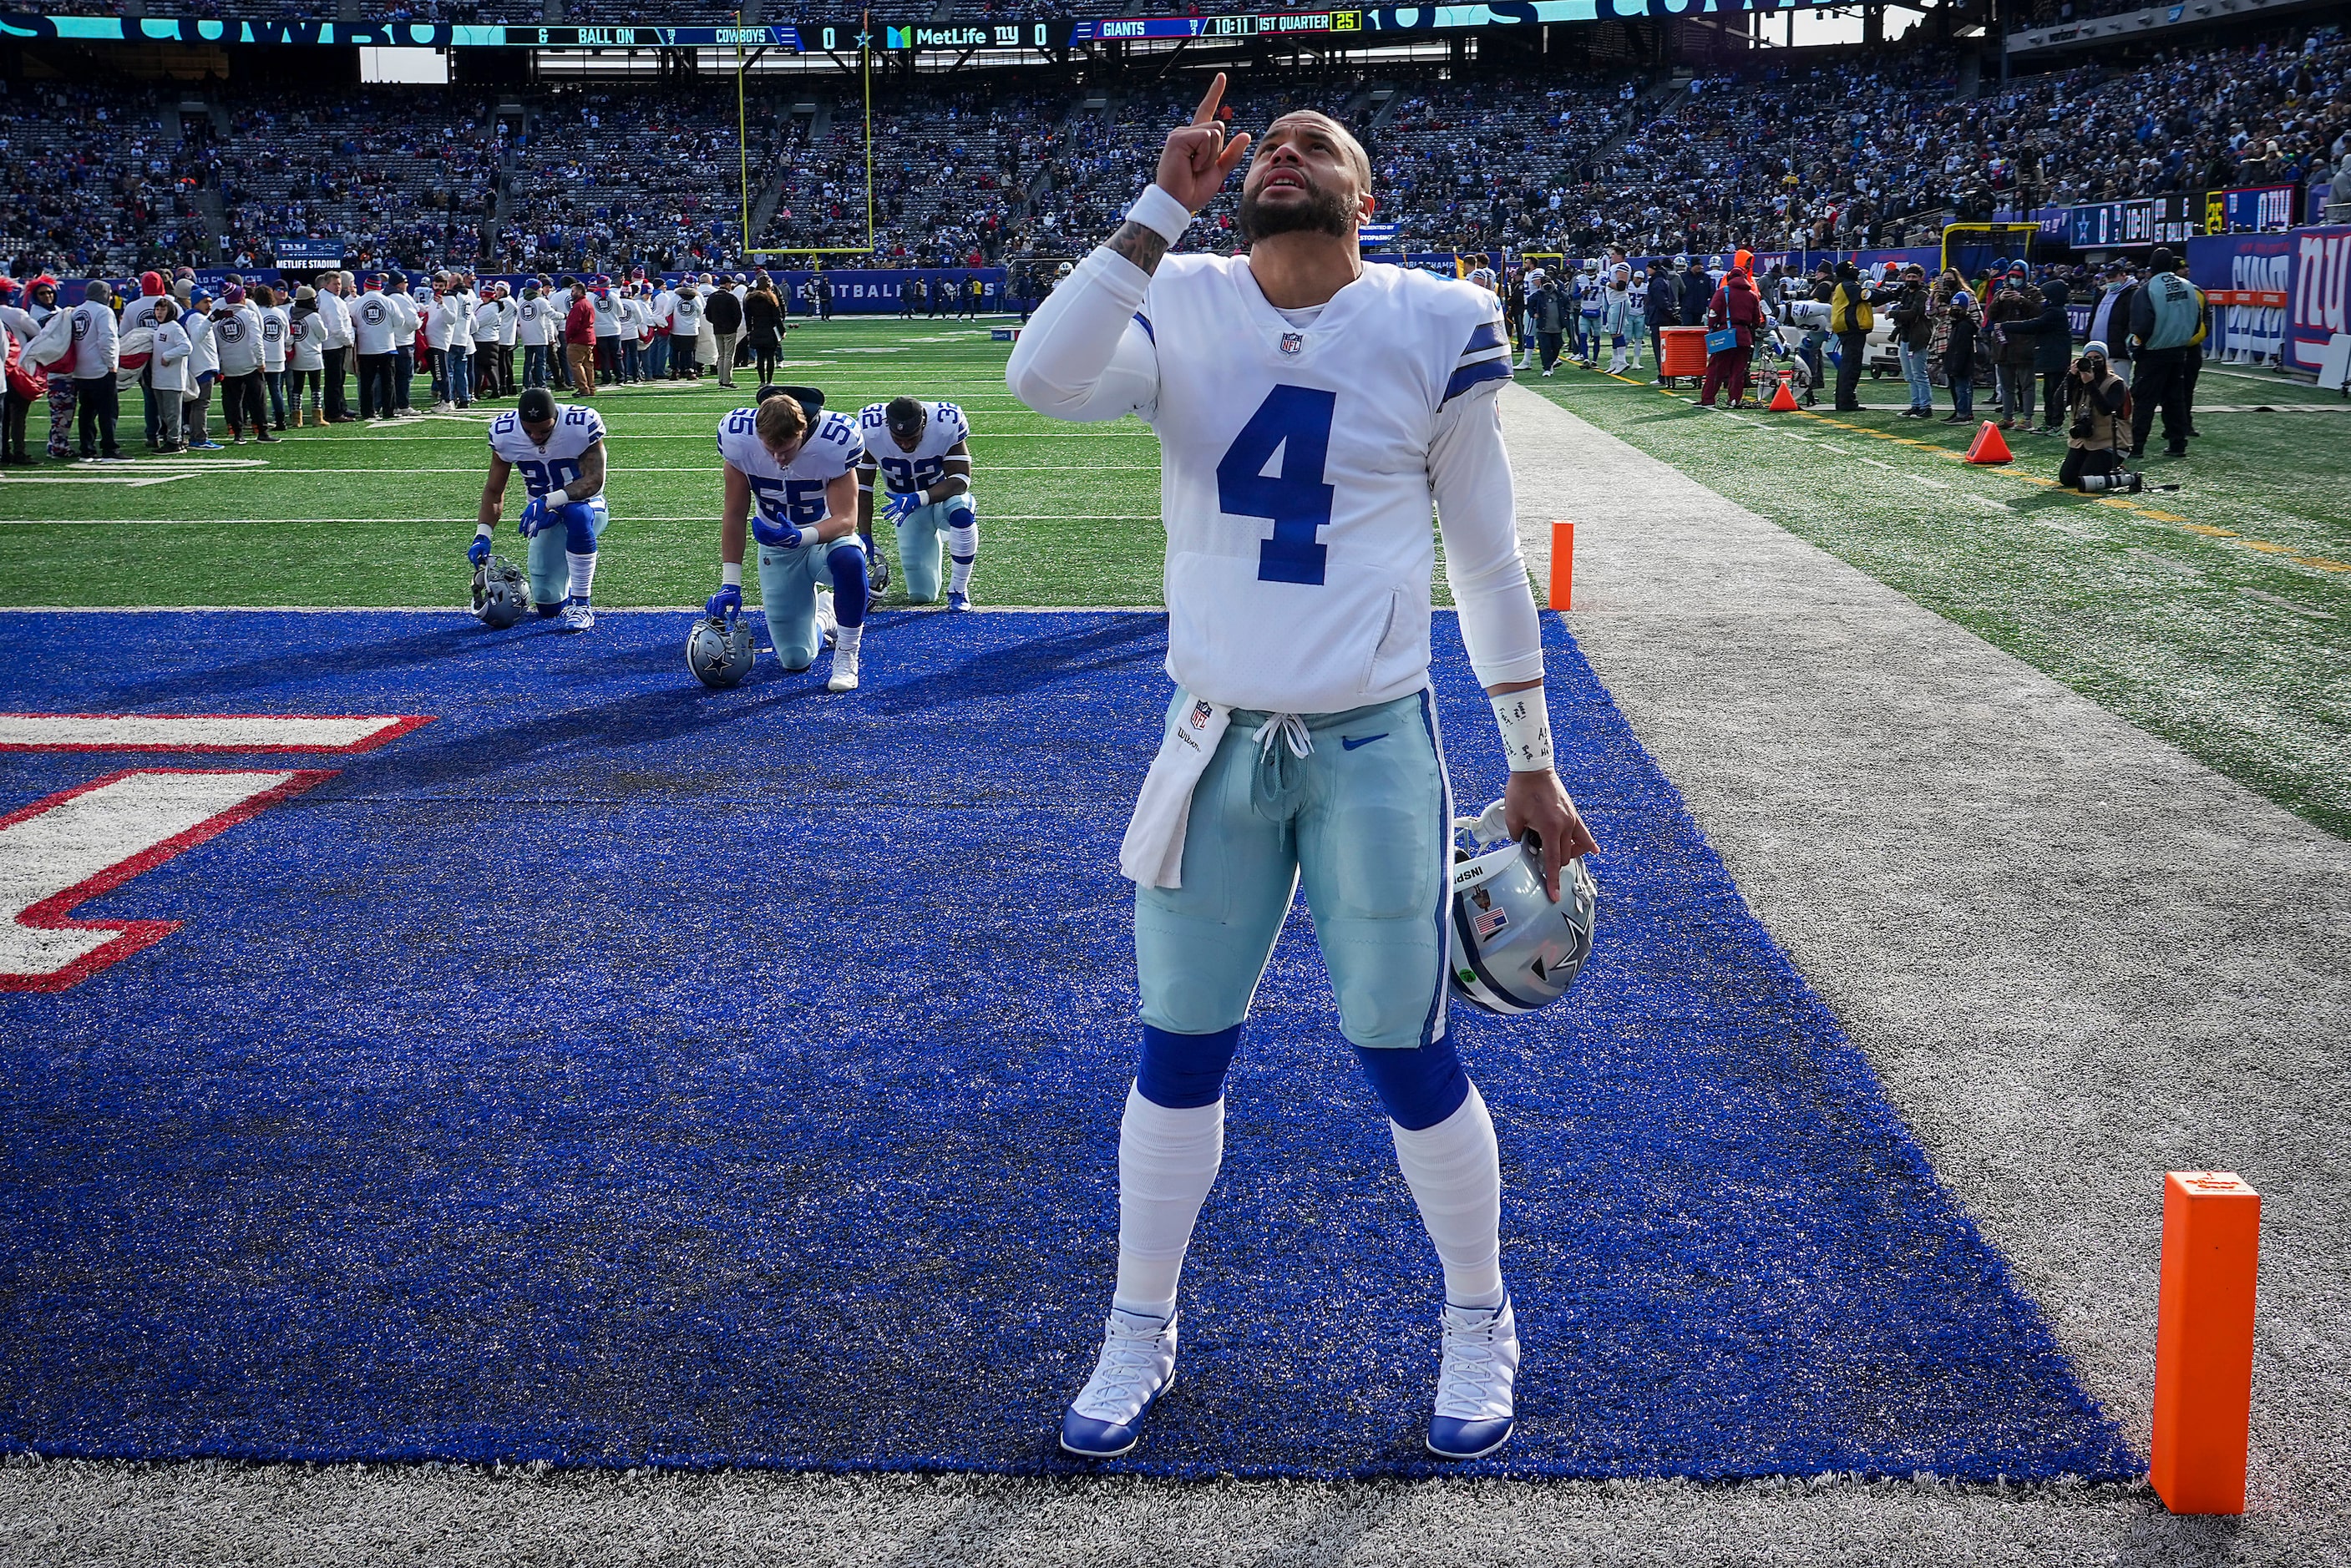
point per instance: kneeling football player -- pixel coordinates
(559, 451)
(921, 451)
(794, 481)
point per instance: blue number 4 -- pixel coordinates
(1296, 421)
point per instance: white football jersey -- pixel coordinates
(577, 427)
(1294, 476)
(902, 471)
(789, 496)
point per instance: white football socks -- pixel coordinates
(583, 574)
(845, 639)
(1455, 1171)
(1167, 1160)
(963, 553)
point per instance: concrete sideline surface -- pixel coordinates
(2075, 959)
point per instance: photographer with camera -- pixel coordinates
(2098, 403)
(1914, 330)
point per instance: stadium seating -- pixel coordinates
(1844, 152)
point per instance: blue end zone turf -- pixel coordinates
(614, 1073)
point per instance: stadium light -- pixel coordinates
(743, 134)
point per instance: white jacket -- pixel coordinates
(532, 322)
(374, 323)
(487, 316)
(96, 339)
(273, 339)
(204, 359)
(336, 315)
(167, 365)
(236, 338)
(308, 337)
(406, 319)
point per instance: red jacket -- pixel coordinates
(579, 323)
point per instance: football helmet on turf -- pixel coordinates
(1513, 948)
(501, 592)
(719, 650)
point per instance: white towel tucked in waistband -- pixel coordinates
(1153, 851)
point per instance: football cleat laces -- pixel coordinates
(1475, 1409)
(1136, 1366)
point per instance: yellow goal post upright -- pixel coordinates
(743, 135)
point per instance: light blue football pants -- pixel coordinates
(581, 524)
(788, 584)
(1364, 820)
(923, 541)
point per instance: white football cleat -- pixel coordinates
(578, 618)
(957, 599)
(1475, 1411)
(1136, 1366)
(844, 670)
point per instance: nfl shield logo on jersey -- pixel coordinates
(1291, 342)
(1200, 715)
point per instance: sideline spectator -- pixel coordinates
(1850, 320)
(764, 327)
(307, 338)
(1914, 329)
(579, 339)
(1662, 309)
(203, 369)
(167, 363)
(724, 313)
(2166, 317)
(1550, 310)
(406, 320)
(1956, 323)
(335, 315)
(275, 331)
(96, 361)
(2052, 353)
(375, 329)
(532, 320)
(2015, 317)
(1737, 306)
(26, 382)
(140, 312)
(236, 338)
(685, 332)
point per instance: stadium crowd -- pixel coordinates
(1846, 153)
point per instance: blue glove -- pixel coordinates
(534, 516)
(903, 504)
(479, 550)
(726, 604)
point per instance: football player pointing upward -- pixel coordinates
(922, 453)
(1309, 410)
(559, 451)
(794, 481)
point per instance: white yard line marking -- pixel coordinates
(202, 732)
(2284, 604)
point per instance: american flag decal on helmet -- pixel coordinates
(1492, 921)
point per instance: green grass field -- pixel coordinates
(2217, 616)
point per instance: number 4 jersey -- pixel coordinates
(550, 467)
(1300, 460)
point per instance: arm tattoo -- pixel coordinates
(1138, 245)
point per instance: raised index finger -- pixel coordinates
(1207, 113)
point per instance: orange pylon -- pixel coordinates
(2204, 1341)
(1784, 401)
(1989, 447)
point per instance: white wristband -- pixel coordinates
(483, 530)
(730, 573)
(1161, 213)
(1525, 721)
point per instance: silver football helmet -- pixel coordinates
(1513, 948)
(719, 650)
(501, 592)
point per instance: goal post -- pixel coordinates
(743, 135)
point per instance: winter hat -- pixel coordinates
(237, 294)
(305, 295)
(151, 284)
(2095, 348)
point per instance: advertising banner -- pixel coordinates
(2252, 210)
(2248, 278)
(306, 253)
(2318, 305)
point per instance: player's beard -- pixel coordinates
(1322, 212)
